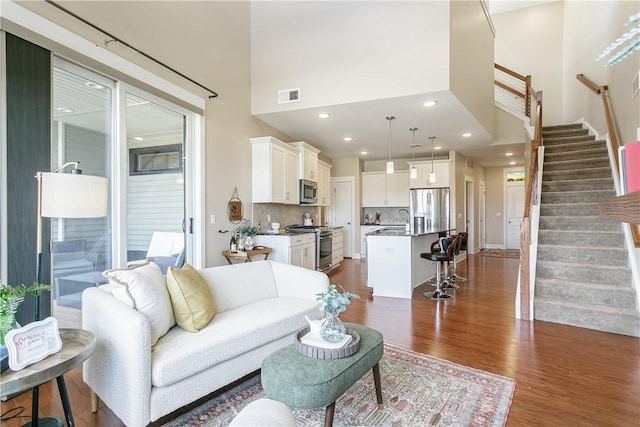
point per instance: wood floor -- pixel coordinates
(565, 376)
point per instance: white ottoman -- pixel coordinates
(264, 413)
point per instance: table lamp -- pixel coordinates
(64, 195)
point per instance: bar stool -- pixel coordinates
(453, 277)
(442, 258)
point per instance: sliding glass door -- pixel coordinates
(139, 142)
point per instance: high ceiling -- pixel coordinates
(365, 123)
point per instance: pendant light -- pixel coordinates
(432, 174)
(413, 172)
(390, 163)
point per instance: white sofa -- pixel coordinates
(260, 306)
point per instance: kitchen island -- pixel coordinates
(394, 266)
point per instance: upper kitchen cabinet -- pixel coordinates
(324, 183)
(274, 173)
(380, 189)
(308, 161)
(441, 169)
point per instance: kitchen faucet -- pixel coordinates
(397, 215)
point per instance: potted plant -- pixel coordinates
(333, 303)
(10, 299)
(247, 232)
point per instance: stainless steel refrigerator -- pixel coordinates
(429, 210)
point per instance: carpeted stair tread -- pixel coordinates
(583, 254)
(564, 139)
(579, 223)
(588, 293)
(575, 174)
(568, 209)
(581, 238)
(595, 153)
(582, 196)
(561, 126)
(578, 185)
(599, 317)
(570, 145)
(579, 164)
(587, 273)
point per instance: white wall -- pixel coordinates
(589, 27)
(529, 42)
(362, 50)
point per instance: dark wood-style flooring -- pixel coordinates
(565, 376)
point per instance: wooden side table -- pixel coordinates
(77, 346)
(248, 255)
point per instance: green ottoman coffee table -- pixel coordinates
(302, 382)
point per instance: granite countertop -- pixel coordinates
(400, 231)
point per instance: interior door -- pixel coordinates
(343, 211)
(515, 209)
(481, 216)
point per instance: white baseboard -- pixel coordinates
(494, 246)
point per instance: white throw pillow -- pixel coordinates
(144, 288)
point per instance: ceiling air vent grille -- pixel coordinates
(288, 95)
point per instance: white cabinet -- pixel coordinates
(274, 171)
(295, 249)
(380, 189)
(308, 160)
(337, 246)
(364, 229)
(441, 169)
(324, 184)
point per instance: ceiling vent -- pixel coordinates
(288, 95)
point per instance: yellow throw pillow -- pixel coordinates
(191, 298)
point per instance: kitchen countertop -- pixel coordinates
(400, 231)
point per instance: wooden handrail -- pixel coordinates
(510, 72)
(613, 136)
(588, 83)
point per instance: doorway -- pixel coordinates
(514, 206)
(469, 214)
(344, 210)
(482, 238)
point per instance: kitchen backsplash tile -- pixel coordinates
(284, 214)
(387, 215)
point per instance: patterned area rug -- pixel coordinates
(501, 253)
(418, 390)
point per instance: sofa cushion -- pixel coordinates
(236, 285)
(229, 334)
(143, 287)
(193, 305)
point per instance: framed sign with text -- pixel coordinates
(32, 343)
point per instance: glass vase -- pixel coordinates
(248, 243)
(332, 328)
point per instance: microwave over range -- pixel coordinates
(308, 192)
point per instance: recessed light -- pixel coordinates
(324, 115)
(508, 154)
(364, 153)
(512, 163)
(437, 147)
(93, 85)
(64, 110)
(430, 103)
(466, 134)
(138, 138)
(348, 139)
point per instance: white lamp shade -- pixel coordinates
(67, 195)
(390, 168)
(413, 173)
(432, 177)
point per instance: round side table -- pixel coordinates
(77, 346)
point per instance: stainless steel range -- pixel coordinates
(324, 237)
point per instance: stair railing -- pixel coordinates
(515, 92)
(613, 137)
